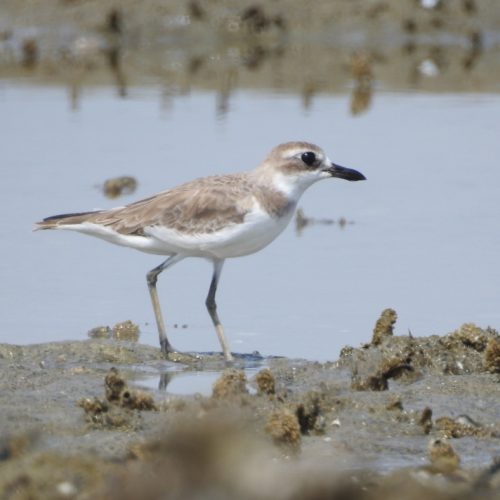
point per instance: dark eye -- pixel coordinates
(308, 158)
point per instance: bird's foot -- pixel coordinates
(183, 357)
(178, 357)
(228, 358)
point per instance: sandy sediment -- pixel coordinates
(395, 418)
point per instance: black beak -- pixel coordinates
(348, 174)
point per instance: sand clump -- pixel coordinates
(310, 414)
(99, 332)
(284, 428)
(116, 410)
(492, 355)
(124, 330)
(232, 383)
(119, 186)
(384, 326)
(425, 420)
(463, 426)
(265, 381)
(442, 456)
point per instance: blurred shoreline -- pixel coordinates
(333, 47)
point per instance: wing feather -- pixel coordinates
(201, 206)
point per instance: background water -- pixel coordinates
(424, 237)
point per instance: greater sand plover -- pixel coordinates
(215, 218)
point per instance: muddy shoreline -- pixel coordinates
(75, 421)
(226, 45)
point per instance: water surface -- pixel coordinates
(424, 237)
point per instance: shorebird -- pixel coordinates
(215, 218)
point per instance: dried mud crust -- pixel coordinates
(73, 425)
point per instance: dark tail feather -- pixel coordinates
(63, 219)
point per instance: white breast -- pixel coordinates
(256, 231)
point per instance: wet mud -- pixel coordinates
(399, 417)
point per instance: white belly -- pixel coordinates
(256, 231)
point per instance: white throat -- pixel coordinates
(293, 186)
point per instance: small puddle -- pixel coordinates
(189, 382)
(179, 380)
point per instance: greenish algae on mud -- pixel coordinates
(434, 430)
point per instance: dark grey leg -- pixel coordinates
(152, 278)
(212, 309)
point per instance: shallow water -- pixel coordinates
(424, 238)
(190, 381)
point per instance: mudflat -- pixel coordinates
(399, 416)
